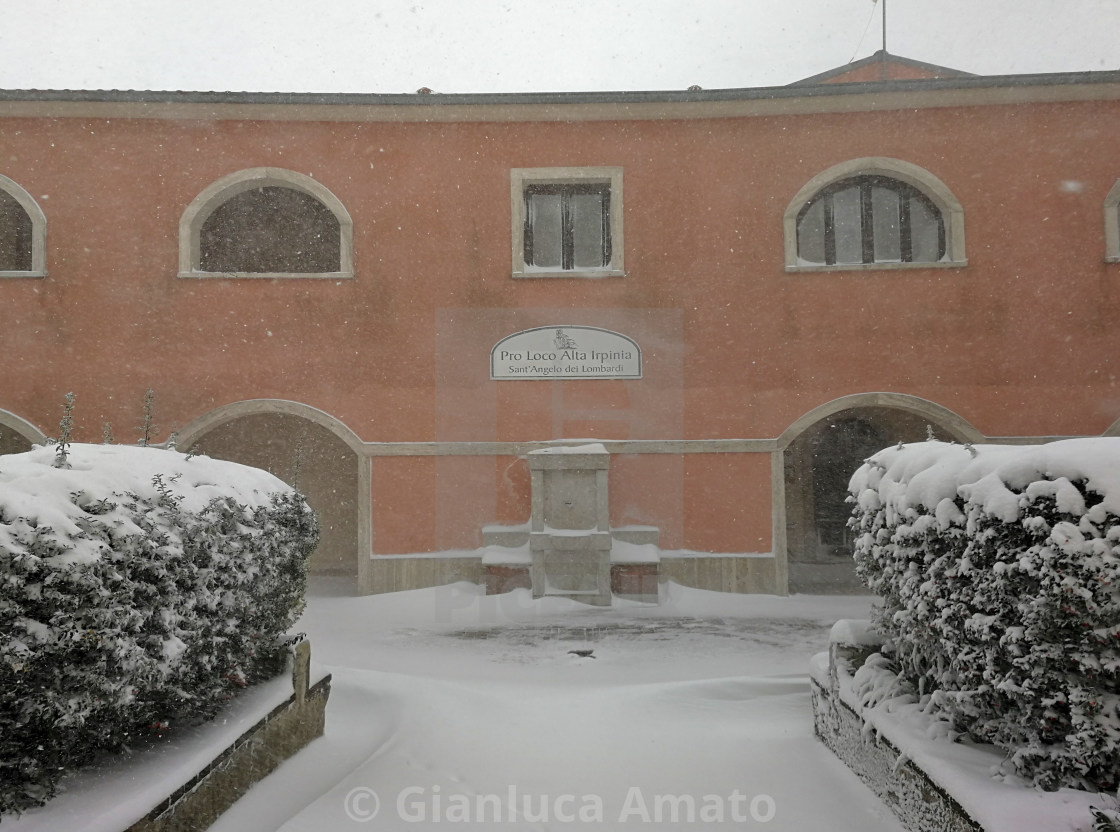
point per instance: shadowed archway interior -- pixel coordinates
(818, 465)
(309, 457)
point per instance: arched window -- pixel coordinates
(266, 222)
(1112, 224)
(870, 219)
(874, 213)
(23, 233)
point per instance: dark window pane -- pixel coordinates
(271, 229)
(810, 234)
(847, 224)
(567, 226)
(925, 232)
(885, 207)
(587, 231)
(15, 235)
(545, 247)
(837, 453)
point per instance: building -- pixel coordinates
(324, 285)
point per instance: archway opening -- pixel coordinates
(12, 442)
(818, 465)
(308, 457)
(17, 435)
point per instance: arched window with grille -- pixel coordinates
(23, 232)
(1112, 224)
(874, 213)
(266, 222)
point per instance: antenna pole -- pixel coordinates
(883, 53)
(884, 2)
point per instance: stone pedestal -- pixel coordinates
(569, 530)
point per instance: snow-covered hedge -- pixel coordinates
(1000, 575)
(139, 588)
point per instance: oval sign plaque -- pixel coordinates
(565, 352)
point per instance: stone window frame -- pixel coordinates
(522, 178)
(38, 230)
(1112, 224)
(952, 213)
(224, 189)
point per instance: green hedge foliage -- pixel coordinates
(999, 570)
(133, 601)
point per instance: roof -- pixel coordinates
(838, 92)
(882, 66)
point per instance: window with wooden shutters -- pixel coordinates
(567, 222)
(568, 226)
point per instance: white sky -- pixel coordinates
(526, 45)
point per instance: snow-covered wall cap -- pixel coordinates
(593, 448)
(924, 474)
(854, 632)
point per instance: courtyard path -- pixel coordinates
(450, 709)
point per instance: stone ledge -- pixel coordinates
(632, 581)
(921, 804)
(910, 759)
(515, 536)
(501, 571)
(509, 537)
(284, 731)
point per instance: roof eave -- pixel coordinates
(853, 96)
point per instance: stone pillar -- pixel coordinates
(569, 531)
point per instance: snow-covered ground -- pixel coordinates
(452, 707)
(449, 705)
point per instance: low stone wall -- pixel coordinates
(393, 573)
(502, 577)
(256, 753)
(635, 581)
(921, 804)
(720, 573)
(725, 573)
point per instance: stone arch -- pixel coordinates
(17, 435)
(957, 429)
(1113, 429)
(235, 184)
(308, 449)
(820, 451)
